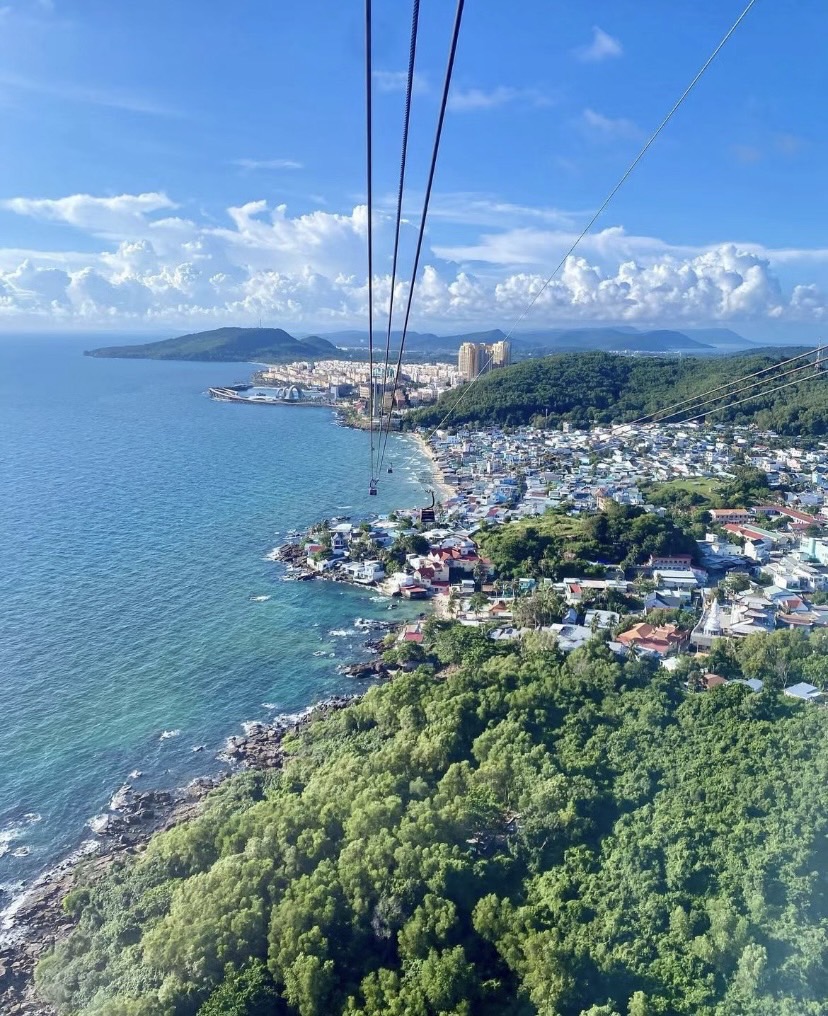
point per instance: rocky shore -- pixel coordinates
(36, 920)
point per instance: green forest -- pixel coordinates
(515, 834)
(554, 545)
(596, 388)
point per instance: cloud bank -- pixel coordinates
(157, 269)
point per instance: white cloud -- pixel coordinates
(602, 47)
(473, 99)
(109, 217)
(254, 164)
(110, 96)
(308, 271)
(606, 127)
(481, 209)
(396, 81)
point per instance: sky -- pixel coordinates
(168, 167)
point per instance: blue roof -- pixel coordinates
(802, 690)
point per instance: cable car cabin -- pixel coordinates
(391, 469)
(372, 489)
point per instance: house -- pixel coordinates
(722, 515)
(570, 636)
(365, 572)
(804, 692)
(675, 578)
(667, 599)
(402, 580)
(796, 517)
(814, 548)
(339, 544)
(601, 619)
(709, 680)
(669, 561)
(322, 564)
(661, 641)
(752, 682)
(803, 621)
(507, 634)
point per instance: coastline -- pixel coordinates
(442, 489)
(36, 921)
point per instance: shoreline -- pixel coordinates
(441, 485)
(35, 920)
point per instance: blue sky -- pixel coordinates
(171, 165)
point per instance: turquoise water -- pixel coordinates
(135, 516)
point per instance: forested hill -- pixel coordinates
(270, 345)
(518, 835)
(598, 387)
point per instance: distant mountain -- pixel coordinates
(614, 339)
(426, 342)
(271, 345)
(721, 338)
(618, 339)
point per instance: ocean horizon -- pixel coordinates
(142, 618)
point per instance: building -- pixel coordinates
(670, 561)
(804, 692)
(733, 515)
(479, 357)
(501, 353)
(661, 641)
(467, 361)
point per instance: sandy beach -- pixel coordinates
(442, 489)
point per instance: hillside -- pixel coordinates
(585, 388)
(609, 339)
(521, 835)
(271, 345)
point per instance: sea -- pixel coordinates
(140, 616)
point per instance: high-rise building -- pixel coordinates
(479, 358)
(467, 360)
(501, 353)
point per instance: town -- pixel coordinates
(734, 519)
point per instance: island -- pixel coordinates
(230, 345)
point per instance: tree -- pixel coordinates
(542, 607)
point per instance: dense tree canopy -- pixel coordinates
(555, 545)
(519, 834)
(588, 388)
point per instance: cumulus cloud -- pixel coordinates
(602, 47)
(107, 217)
(308, 271)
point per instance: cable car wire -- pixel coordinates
(370, 216)
(738, 391)
(758, 395)
(603, 206)
(409, 87)
(727, 384)
(458, 17)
